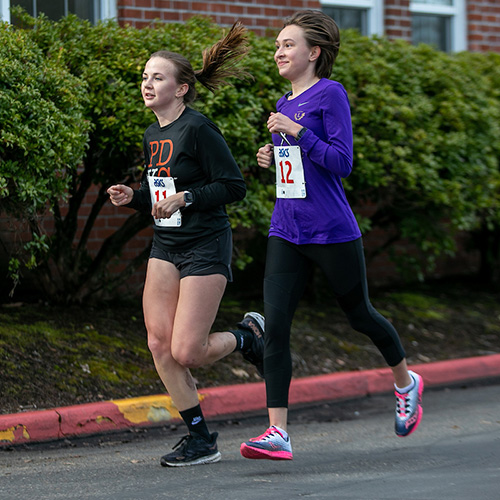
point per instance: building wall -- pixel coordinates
(258, 15)
(397, 20)
(264, 17)
(483, 25)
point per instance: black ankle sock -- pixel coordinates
(193, 418)
(244, 339)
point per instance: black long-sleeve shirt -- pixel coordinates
(193, 151)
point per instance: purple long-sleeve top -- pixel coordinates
(324, 216)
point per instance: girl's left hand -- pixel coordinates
(278, 122)
(165, 208)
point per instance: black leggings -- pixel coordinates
(287, 269)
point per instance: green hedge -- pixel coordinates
(426, 127)
(427, 141)
(43, 135)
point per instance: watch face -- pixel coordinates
(188, 197)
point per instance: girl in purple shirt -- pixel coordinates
(315, 225)
(324, 215)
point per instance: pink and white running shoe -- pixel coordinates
(270, 446)
(408, 407)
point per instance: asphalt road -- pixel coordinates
(341, 451)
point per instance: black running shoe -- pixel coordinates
(192, 450)
(255, 322)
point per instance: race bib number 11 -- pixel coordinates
(161, 188)
(290, 182)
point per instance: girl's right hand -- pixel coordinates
(119, 194)
(265, 156)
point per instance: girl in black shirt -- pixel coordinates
(190, 175)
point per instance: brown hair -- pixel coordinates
(219, 62)
(319, 30)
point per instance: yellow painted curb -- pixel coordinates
(152, 409)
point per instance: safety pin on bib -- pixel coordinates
(283, 136)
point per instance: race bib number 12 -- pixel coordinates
(290, 182)
(161, 188)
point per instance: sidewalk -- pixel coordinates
(233, 400)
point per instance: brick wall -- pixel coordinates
(13, 233)
(397, 20)
(258, 15)
(265, 16)
(110, 219)
(483, 25)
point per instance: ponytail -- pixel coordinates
(219, 62)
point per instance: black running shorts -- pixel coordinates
(211, 257)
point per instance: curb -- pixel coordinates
(148, 411)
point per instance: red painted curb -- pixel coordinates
(30, 426)
(90, 418)
(98, 418)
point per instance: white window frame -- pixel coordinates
(458, 20)
(107, 11)
(4, 10)
(374, 14)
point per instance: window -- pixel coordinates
(93, 10)
(4, 10)
(348, 18)
(441, 23)
(433, 30)
(363, 15)
(435, 2)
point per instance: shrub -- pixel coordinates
(426, 132)
(43, 134)
(110, 59)
(426, 137)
